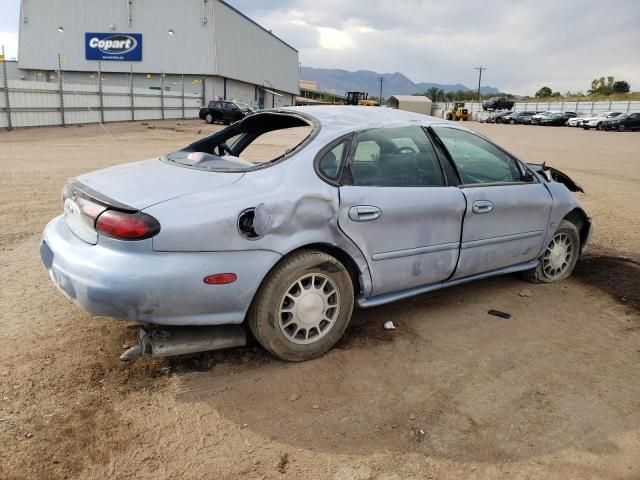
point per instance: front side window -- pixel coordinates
(395, 157)
(477, 160)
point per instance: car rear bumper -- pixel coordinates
(129, 280)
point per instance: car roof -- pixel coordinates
(351, 117)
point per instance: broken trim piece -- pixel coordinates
(554, 175)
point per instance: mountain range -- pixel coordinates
(341, 81)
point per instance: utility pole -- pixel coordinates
(480, 69)
(380, 97)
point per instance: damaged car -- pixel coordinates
(367, 206)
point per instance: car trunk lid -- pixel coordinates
(130, 188)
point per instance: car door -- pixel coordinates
(396, 206)
(507, 211)
(634, 121)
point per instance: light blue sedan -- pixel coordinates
(373, 205)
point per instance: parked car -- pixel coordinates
(496, 117)
(577, 121)
(622, 122)
(497, 103)
(517, 117)
(557, 119)
(224, 111)
(595, 121)
(483, 117)
(371, 206)
(535, 119)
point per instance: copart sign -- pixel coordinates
(113, 46)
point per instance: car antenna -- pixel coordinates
(83, 100)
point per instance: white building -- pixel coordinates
(216, 49)
(411, 103)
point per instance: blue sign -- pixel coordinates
(113, 46)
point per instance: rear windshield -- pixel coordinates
(255, 142)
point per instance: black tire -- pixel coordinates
(208, 118)
(599, 126)
(586, 128)
(622, 128)
(265, 316)
(512, 122)
(541, 274)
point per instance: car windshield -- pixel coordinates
(258, 140)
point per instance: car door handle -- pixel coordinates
(482, 206)
(364, 213)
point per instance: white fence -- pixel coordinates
(579, 107)
(33, 104)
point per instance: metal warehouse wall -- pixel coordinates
(247, 52)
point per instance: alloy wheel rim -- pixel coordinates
(558, 255)
(309, 308)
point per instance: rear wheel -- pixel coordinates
(303, 306)
(560, 256)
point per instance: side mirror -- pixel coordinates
(528, 176)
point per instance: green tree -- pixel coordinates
(434, 93)
(544, 92)
(602, 86)
(621, 87)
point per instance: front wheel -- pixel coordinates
(560, 256)
(208, 118)
(512, 122)
(303, 307)
(622, 128)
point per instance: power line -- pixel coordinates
(480, 69)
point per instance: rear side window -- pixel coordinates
(477, 160)
(395, 157)
(329, 163)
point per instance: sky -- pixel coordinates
(524, 44)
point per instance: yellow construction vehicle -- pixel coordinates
(361, 98)
(458, 112)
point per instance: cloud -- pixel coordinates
(525, 44)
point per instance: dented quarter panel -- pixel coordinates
(302, 210)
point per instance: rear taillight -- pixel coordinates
(127, 226)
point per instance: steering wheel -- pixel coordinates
(223, 149)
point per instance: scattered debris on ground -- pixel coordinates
(282, 464)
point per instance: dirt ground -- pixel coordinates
(553, 392)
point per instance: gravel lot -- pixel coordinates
(553, 392)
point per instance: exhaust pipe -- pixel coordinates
(170, 341)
